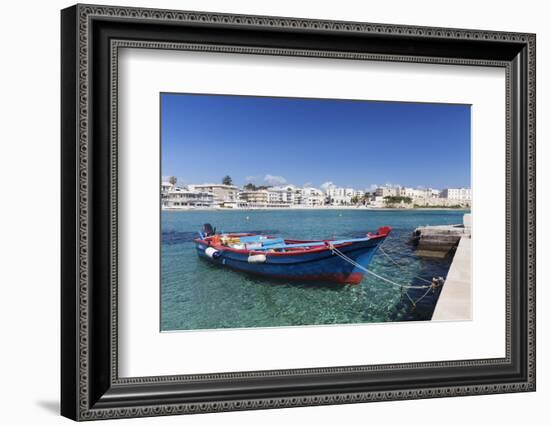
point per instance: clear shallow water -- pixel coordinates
(198, 295)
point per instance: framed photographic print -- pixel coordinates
(263, 212)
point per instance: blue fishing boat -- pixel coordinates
(337, 261)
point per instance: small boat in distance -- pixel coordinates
(336, 261)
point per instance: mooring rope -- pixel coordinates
(357, 265)
(405, 287)
(402, 266)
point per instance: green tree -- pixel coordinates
(392, 199)
(173, 180)
(250, 187)
(227, 180)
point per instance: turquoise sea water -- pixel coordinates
(198, 295)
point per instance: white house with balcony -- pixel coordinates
(222, 193)
(180, 198)
(312, 197)
(284, 194)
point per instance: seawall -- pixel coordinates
(455, 300)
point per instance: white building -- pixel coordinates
(222, 193)
(258, 199)
(165, 187)
(255, 198)
(340, 196)
(460, 194)
(404, 191)
(312, 197)
(410, 192)
(286, 194)
(416, 193)
(432, 193)
(388, 191)
(174, 197)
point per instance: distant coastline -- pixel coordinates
(223, 209)
(225, 195)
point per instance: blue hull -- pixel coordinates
(320, 265)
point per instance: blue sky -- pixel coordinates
(359, 144)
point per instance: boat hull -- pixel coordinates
(320, 265)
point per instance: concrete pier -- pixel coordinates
(439, 240)
(455, 300)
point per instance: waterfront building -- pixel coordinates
(165, 187)
(312, 197)
(340, 196)
(433, 193)
(256, 199)
(222, 193)
(388, 191)
(416, 193)
(410, 192)
(264, 198)
(176, 197)
(405, 191)
(460, 194)
(239, 204)
(286, 194)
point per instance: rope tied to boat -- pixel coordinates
(403, 266)
(404, 287)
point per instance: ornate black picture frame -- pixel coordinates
(91, 36)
